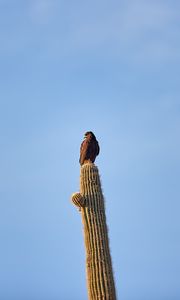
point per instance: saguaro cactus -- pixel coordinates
(90, 201)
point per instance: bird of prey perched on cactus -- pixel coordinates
(89, 148)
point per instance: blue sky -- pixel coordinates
(114, 68)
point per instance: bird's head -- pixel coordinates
(89, 134)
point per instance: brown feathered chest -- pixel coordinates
(89, 150)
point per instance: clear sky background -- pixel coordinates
(112, 67)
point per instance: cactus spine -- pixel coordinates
(100, 281)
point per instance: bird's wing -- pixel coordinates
(93, 150)
(97, 148)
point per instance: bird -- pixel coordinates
(89, 148)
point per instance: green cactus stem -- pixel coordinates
(100, 281)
